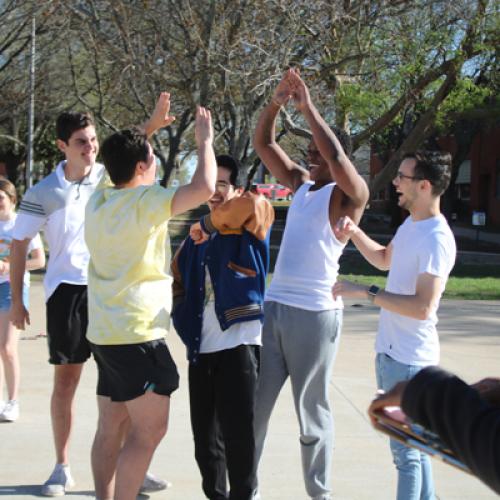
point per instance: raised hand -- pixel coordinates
(283, 92)
(300, 92)
(160, 117)
(161, 114)
(203, 129)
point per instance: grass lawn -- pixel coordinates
(467, 282)
(471, 282)
(280, 203)
(457, 287)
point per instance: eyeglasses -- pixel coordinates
(400, 176)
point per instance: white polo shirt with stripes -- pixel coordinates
(56, 206)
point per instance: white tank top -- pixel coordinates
(308, 259)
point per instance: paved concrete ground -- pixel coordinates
(470, 335)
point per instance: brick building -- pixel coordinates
(477, 187)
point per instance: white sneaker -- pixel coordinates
(10, 411)
(2, 405)
(152, 484)
(59, 481)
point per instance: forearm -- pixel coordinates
(265, 130)
(148, 128)
(151, 126)
(412, 306)
(326, 141)
(205, 174)
(375, 253)
(469, 425)
(341, 168)
(17, 268)
(272, 155)
(419, 305)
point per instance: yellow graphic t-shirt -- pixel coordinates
(129, 286)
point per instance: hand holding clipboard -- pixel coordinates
(387, 417)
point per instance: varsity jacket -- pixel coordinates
(237, 258)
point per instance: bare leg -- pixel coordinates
(66, 379)
(113, 420)
(151, 483)
(10, 358)
(148, 424)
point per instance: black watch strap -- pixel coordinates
(372, 292)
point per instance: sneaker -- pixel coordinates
(10, 412)
(152, 484)
(59, 481)
(2, 405)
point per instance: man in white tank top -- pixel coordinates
(302, 321)
(419, 259)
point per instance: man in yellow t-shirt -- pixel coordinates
(130, 301)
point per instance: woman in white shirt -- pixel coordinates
(9, 410)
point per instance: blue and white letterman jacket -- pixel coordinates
(237, 258)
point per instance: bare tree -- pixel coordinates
(369, 64)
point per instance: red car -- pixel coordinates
(274, 191)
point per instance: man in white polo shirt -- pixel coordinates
(419, 259)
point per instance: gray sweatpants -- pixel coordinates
(301, 344)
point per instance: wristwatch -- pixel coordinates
(372, 292)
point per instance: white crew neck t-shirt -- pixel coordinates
(213, 338)
(426, 246)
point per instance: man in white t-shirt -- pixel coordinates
(419, 258)
(56, 206)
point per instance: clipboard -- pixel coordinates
(393, 422)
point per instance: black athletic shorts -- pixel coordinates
(67, 320)
(128, 371)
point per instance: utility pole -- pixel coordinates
(31, 107)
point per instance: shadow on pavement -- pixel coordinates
(34, 490)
